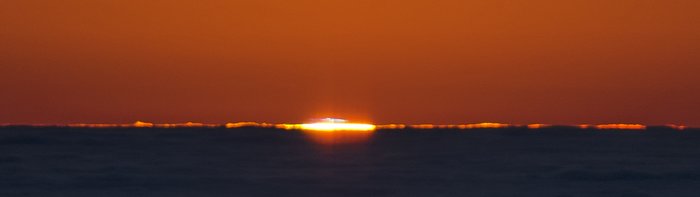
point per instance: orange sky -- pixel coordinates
(406, 61)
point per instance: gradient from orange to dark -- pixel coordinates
(407, 61)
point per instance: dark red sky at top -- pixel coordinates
(408, 61)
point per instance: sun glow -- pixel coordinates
(621, 126)
(337, 127)
(331, 124)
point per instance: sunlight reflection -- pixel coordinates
(338, 137)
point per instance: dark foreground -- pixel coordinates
(266, 162)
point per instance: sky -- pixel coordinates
(380, 61)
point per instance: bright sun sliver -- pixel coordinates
(329, 124)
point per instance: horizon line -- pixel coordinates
(295, 126)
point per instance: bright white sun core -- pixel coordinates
(335, 124)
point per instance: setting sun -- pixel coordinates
(331, 124)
